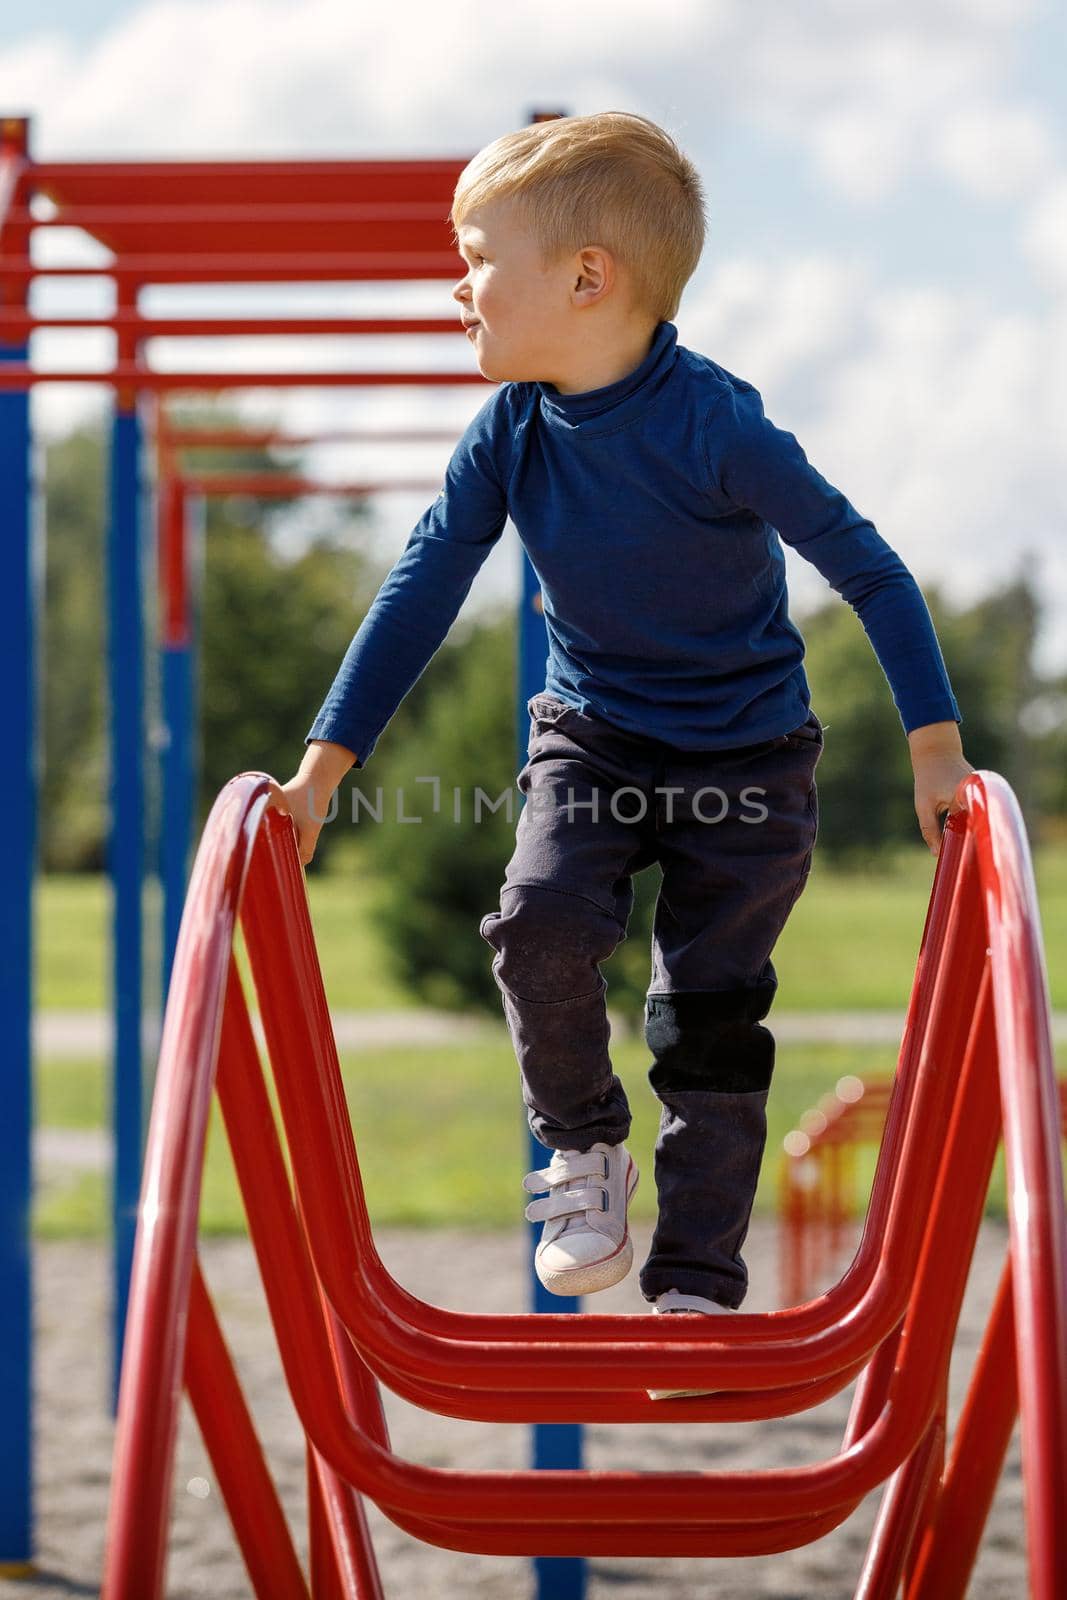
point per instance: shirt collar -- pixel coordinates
(625, 397)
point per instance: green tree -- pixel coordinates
(995, 641)
(274, 631)
(273, 628)
(441, 875)
(865, 779)
(1047, 727)
(71, 645)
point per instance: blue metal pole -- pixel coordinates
(179, 716)
(126, 840)
(18, 613)
(556, 1444)
(178, 782)
(19, 610)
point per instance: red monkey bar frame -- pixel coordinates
(976, 1051)
(231, 223)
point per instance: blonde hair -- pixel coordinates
(613, 179)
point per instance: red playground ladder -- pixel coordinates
(975, 1062)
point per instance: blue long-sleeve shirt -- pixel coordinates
(651, 510)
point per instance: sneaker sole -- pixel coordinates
(678, 1394)
(594, 1275)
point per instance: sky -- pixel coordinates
(887, 246)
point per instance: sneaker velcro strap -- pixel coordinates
(587, 1164)
(562, 1204)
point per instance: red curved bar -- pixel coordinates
(1036, 1219)
(976, 1052)
(808, 1340)
(170, 1195)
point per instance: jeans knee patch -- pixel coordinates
(711, 1041)
(549, 943)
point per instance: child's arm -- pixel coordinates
(408, 620)
(763, 468)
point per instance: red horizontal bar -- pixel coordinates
(261, 438)
(257, 267)
(125, 174)
(126, 375)
(91, 216)
(267, 485)
(24, 322)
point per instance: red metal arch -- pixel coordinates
(976, 1049)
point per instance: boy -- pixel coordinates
(649, 490)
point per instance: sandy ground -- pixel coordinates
(75, 1435)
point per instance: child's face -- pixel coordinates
(521, 310)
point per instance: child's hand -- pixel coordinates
(939, 765)
(307, 796)
(308, 807)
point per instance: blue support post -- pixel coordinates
(19, 610)
(556, 1444)
(126, 840)
(178, 783)
(18, 613)
(178, 673)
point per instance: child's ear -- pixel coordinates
(596, 272)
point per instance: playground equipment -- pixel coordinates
(229, 224)
(976, 1056)
(818, 1182)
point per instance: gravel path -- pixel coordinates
(75, 1433)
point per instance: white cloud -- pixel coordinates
(1044, 236)
(860, 152)
(997, 152)
(936, 411)
(865, 90)
(780, 319)
(328, 76)
(868, 90)
(32, 70)
(937, 414)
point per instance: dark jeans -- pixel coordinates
(600, 806)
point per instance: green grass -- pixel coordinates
(850, 944)
(73, 934)
(852, 940)
(418, 1114)
(70, 1094)
(78, 1210)
(420, 1117)
(355, 965)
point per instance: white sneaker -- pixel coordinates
(585, 1245)
(673, 1300)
